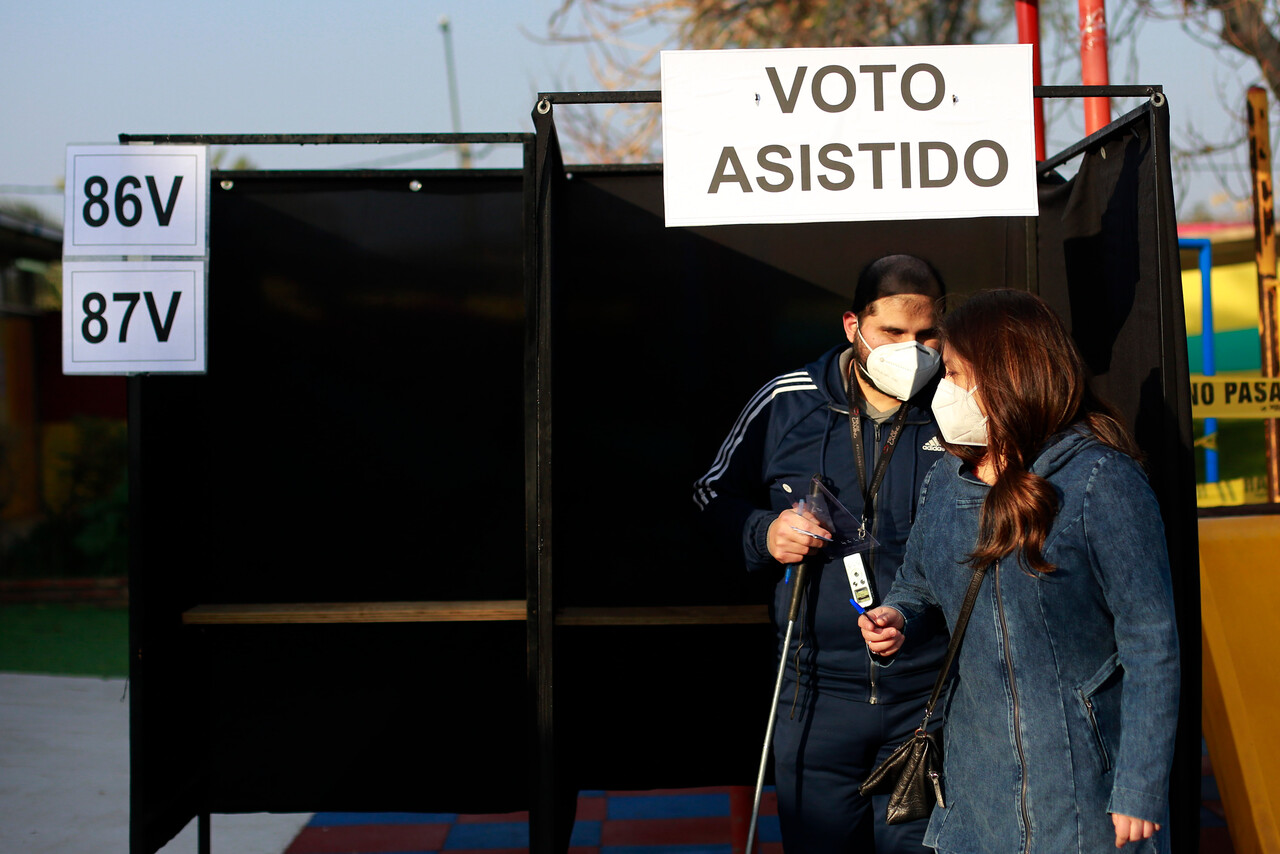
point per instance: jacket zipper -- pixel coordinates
(871, 574)
(1017, 728)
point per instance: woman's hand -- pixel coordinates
(882, 630)
(1130, 829)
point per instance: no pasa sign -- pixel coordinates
(836, 134)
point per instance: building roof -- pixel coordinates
(23, 238)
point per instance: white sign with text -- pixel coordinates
(136, 200)
(841, 134)
(133, 317)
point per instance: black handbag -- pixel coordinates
(912, 774)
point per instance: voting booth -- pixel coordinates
(691, 336)
(420, 536)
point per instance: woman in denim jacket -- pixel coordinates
(1060, 722)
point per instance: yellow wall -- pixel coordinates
(1235, 297)
(1240, 610)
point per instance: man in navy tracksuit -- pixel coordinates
(841, 712)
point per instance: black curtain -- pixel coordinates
(358, 437)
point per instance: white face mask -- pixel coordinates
(958, 416)
(900, 370)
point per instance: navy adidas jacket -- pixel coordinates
(796, 426)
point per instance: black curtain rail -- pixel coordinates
(384, 175)
(611, 168)
(325, 138)
(1092, 139)
(646, 96)
(1118, 91)
(653, 96)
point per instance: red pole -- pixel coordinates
(1093, 62)
(1028, 16)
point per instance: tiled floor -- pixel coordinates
(689, 821)
(64, 789)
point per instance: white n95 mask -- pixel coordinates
(958, 416)
(900, 370)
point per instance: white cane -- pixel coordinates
(797, 594)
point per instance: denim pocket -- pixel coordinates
(1096, 697)
(936, 822)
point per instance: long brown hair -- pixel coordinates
(1032, 384)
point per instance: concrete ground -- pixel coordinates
(64, 775)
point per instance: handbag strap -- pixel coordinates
(970, 596)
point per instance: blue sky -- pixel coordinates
(82, 72)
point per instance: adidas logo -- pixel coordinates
(932, 445)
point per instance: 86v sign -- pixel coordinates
(133, 317)
(136, 200)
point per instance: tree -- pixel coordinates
(218, 160)
(623, 39)
(1251, 27)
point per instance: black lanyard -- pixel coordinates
(859, 458)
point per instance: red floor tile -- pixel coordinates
(1215, 840)
(705, 790)
(369, 838)
(672, 831)
(592, 809)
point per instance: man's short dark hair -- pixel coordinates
(895, 275)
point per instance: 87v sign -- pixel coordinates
(135, 317)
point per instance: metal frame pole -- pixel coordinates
(542, 168)
(1265, 241)
(1208, 363)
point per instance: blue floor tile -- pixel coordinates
(586, 834)
(669, 806)
(1208, 819)
(507, 834)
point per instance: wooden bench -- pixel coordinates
(469, 611)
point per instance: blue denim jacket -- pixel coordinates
(1065, 701)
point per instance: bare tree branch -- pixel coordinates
(624, 38)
